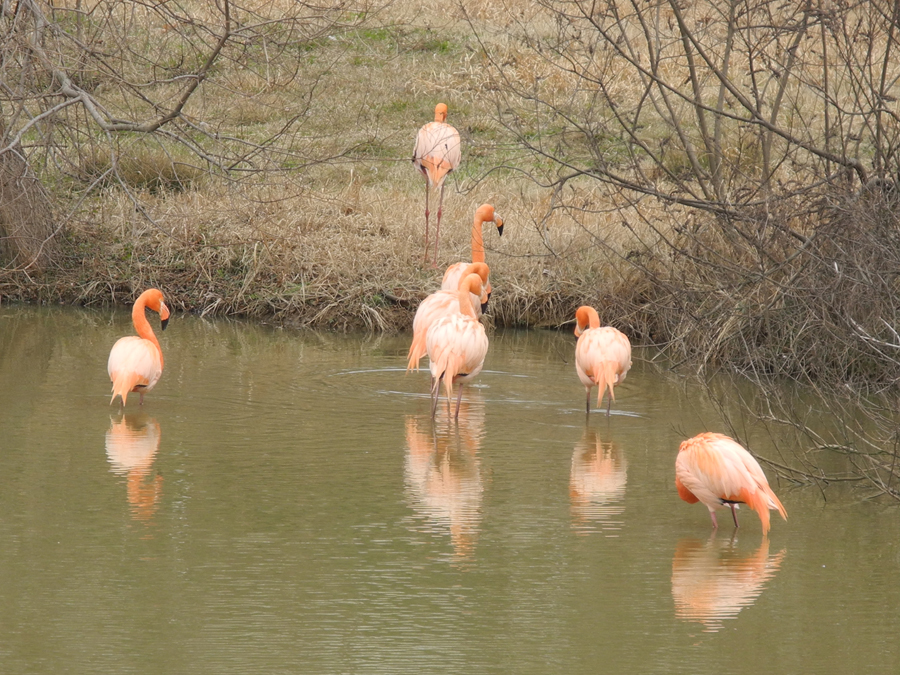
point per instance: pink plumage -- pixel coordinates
(457, 345)
(444, 303)
(602, 355)
(435, 155)
(136, 362)
(716, 470)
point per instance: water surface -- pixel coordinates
(283, 503)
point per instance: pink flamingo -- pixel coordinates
(136, 362)
(602, 356)
(716, 470)
(456, 345)
(445, 303)
(436, 154)
(483, 214)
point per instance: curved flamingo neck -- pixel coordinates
(587, 317)
(465, 303)
(478, 239)
(142, 326)
(479, 268)
(470, 285)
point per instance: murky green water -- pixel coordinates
(283, 504)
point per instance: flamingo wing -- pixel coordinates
(715, 469)
(437, 151)
(453, 276)
(457, 346)
(435, 306)
(133, 362)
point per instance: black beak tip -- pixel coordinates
(163, 324)
(500, 230)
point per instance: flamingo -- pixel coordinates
(456, 345)
(483, 214)
(436, 154)
(716, 470)
(444, 303)
(136, 363)
(602, 356)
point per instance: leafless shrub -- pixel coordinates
(147, 96)
(25, 217)
(769, 132)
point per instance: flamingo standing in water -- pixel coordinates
(456, 346)
(483, 214)
(716, 470)
(435, 154)
(136, 363)
(445, 303)
(602, 356)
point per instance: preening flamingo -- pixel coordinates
(483, 214)
(436, 154)
(602, 356)
(716, 470)
(445, 303)
(456, 346)
(136, 362)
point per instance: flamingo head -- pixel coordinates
(486, 214)
(585, 317)
(440, 112)
(472, 283)
(153, 298)
(483, 272)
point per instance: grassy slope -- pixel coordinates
(337, 244)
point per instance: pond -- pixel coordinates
(283, 503)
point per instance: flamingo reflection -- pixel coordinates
(443, 474)
(132, 442)
(712, 583)
(597, 483)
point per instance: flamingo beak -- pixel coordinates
(163, 315)
(500, 226)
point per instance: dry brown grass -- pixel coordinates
(339, 243)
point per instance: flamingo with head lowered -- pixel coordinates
(716, 470)
(602, 355)
(456, 345)
(436, 154)
(446, 303)
(136, 362)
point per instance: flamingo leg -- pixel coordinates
(434, 395)
(427, 214)
(587, 404)
(712, 514)
(734, 515)
(608, 404)
(437, 234)
(142, 398)
(458, 399)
